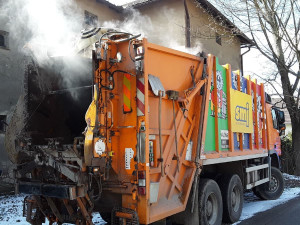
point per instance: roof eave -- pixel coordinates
(245, 41)
(230, 25)
(138, 3)
(116, 8)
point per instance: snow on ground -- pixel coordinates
(11, 212)
(253, 204)
(11, 207)
(290, 177)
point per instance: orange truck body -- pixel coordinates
(159, 120)
(169, 183)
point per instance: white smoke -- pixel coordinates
(52, 27)
(43, 28)
(134, 22)
(137, 23)
(42, 25)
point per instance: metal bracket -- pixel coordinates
(139, 67)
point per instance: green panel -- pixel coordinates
(222, 114)
(210, 144)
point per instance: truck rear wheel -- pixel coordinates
(273, 189)
(210, 203)
(232, 195)
(256, 192)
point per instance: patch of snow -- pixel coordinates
(11, 212)
(290, 177)
(97, 219)
(253, 204)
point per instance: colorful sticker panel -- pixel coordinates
(219, 101)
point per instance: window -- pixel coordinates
(3, 124)
(90, 19)
(275, 123)
(3, 39)
(218, 39)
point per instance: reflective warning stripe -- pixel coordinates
(140, 92)
(126, 93)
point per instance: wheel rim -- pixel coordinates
(211, 208)
(235, 199)
(274, 184)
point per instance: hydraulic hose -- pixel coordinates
(129, 38)
(175, 129)
(129, 51)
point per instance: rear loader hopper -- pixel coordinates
(142, 133)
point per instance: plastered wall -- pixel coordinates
(168, 19)
(103, 11)
(203, 29)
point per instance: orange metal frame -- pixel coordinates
(122, 130)
(254, 147)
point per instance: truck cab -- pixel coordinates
(276, 129)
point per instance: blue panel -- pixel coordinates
(233, 81)
(234, 86)
(236, 143)
(244, 84)
(246, 143)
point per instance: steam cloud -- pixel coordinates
(52, 28)
(46, 27)
(41, 25)
(42, 28)
(135, 22)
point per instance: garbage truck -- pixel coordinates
(142, 134)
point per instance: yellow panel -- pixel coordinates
(241, 109)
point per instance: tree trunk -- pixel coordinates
(296, 147)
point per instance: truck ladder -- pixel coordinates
(257, 175)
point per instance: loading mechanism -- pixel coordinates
(54, 165)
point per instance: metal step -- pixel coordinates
(256, 183)
(253, 168)
(120, 216)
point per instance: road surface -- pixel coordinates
(284, 214)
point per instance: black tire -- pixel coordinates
(210, 203)
(233, 197)
(256, 192)
(274, 191)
